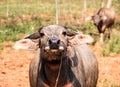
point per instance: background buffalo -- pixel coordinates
(104, 18)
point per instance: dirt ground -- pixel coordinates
(14, 68)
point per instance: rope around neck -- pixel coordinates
(58, 76)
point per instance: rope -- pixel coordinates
(58, 73)
(57, 12)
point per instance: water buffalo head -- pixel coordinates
(53, 41)
(99, 18)
(96, 20)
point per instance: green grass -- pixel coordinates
(17, 7)
(107, 83)
(45, 14)
(1, 47)
(115, 45)
(12, 31)
(112, 47)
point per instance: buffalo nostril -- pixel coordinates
(54, 41)
(58, 42)
(50, 42)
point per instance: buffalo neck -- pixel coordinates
(49, 72)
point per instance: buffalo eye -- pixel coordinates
(42, 34)
(64, 33)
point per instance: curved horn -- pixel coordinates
(35, 35)
(70, 32)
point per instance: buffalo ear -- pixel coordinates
(81, 38)
(30, 42)
(26, 44)
(71, 33)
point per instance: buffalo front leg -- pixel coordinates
(101, 37)
(109, 33)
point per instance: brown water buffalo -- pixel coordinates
(59, 63)
(104, 18)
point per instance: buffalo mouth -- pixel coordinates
(54, 49)
(53, 55)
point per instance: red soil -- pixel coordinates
(14, 68)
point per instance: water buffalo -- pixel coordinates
(58, 63)
(104, 18)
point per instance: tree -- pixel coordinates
(7, 8)
(85, 10)
(109, 2)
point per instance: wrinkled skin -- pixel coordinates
(77, 63)
(104, 18)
